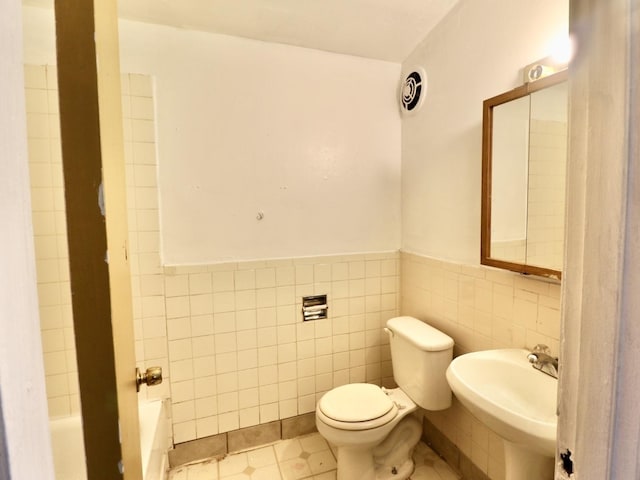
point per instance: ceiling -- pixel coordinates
(381, 29)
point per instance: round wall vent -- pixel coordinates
(413, 90)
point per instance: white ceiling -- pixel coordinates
(381, 29)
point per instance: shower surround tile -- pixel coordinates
(51, 237)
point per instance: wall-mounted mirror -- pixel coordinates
(524, 153)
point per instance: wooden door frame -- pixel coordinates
(24, 419)
(88, 64)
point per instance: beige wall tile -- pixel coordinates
(495, 309)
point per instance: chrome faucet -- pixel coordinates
(541, 359)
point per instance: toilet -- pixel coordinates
(376, 429)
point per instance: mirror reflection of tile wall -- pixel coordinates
(547, 172)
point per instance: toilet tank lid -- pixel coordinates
(422, 335)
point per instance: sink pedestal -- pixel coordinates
(523, 464)
(516, 401)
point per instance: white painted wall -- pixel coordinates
(311, 139)
(23, 425)
(476, 52)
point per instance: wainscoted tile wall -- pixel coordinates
(240, 354)
(480, 308)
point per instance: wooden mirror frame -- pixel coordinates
(487, 134)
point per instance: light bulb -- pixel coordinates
(562, 50)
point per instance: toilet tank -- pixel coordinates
(420, 355)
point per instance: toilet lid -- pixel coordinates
(355, 402)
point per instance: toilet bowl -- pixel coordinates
(375, 429)
(359, 416)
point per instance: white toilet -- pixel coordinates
(372, 426)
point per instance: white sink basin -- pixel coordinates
(502, 390)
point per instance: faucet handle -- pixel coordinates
(540, 358)
(541, 348)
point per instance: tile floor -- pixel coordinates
(306, 457)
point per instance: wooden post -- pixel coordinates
(93, 164)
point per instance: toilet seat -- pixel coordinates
(356, 406)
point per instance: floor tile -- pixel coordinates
(326, 476)
(207, 470)
(179, 473)
(308, 457)
(288, 449)
(313, 443)
(233, 464)
(238, 476)
(295, 469)
(321, 462)
(261, 457)
(425, 472)
(272, 472)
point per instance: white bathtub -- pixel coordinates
(68, 445)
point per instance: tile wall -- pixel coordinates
(48, 207)
(480, 308)
(240, 354)
(50, 235)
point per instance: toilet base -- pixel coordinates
(393, 457)
(389, 460)
(355, 463)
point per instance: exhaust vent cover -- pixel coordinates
(413, 90)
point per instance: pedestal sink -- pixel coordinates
(502, 390)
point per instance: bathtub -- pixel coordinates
(68, 444)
